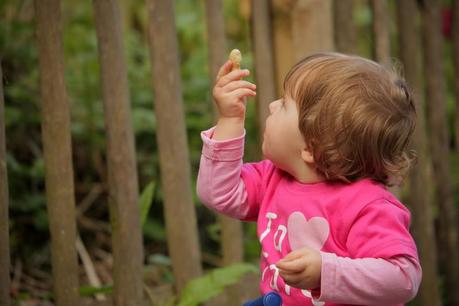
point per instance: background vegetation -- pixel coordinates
(30, 250)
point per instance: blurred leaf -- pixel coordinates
(159, 259)
(143, 120)
(214, 231)
(213, 283)
(89, 290)
(363, 15)
(145, 200)
(153, 229)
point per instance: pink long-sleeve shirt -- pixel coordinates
(360, 229)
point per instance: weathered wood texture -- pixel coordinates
(216, 40)
(381, 31)
(4, 203)
(420, 194)
(312, 27)
(231, 229)
(381, 46)
(439, 146)
(301, 28)
(57, 153)
(282, 41)
(455, 45)
(179, 210)
(121, 161)
(344, 27)
(264, 60)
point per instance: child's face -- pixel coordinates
(282, 140)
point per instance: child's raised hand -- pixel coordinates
(230, 91)
(301, 268)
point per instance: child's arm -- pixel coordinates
(220, 185)
(362, 281)
(368, 281)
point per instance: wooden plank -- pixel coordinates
(282, 40)
(264, 60)
(216, 40)
(122, 169)
(419, 195)
(312, 27)
(231, 229)
(343, 26)
(180, 216)
(439, 145)
(455, 45)
(4, 203)
(381, 31)
(300, 28)
(57, 153)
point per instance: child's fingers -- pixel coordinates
(291, 278)
(224, 69)
(243, 92)
(232, 76)
(239, 84)
(293, 266)
(292, 256)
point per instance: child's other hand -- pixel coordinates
(230, 91)
(301, 268)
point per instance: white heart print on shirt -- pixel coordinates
(312, 233)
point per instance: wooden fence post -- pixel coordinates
(216, 41)
(57, 153)
(344, 27)
(420, 195)
(455, 43)
(381, 32)
(232, 246)
(439, 146)
(301, 28)
(312, 27)
(4, 224)
(282, 41)
(264, 60)
(180, 216)
(122, 169)
(381, 47)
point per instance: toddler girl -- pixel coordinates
(330, 231)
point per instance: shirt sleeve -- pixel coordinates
(381, 230)
(368, 281)
(224, 183)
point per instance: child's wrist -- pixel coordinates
(231, 121)
(228, 128)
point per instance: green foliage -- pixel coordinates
(213, 283)
(146, 198)
(90, 291)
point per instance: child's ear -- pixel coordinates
(306, 156)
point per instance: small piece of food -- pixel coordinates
(236, 57)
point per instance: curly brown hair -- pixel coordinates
(356, 116)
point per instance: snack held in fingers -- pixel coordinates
(235, 57)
